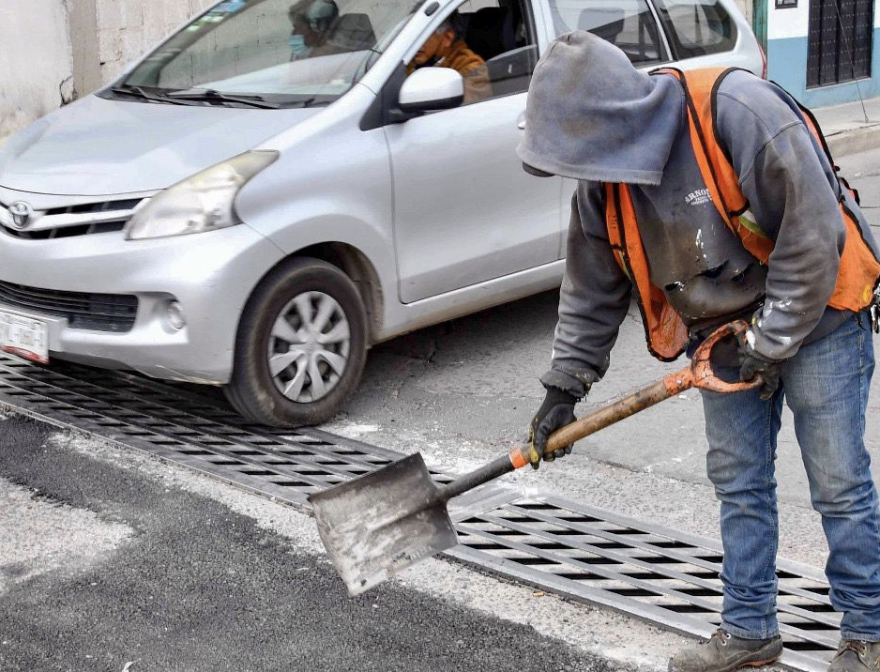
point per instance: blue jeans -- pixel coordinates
(826, 386)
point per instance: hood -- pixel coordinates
(100, 147)
(590, 115)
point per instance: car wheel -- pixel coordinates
(301, 346)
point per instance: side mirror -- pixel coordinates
(431, 89)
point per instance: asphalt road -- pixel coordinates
(121, 569)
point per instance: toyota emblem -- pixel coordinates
(21, 214)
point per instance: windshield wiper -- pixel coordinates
(143, 94)
(210, 95)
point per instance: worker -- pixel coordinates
(707, 195)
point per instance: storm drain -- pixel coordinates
(663, 576)
(666, 577)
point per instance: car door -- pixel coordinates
(465, 211)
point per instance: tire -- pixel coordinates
(286, 371)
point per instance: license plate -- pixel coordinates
(24, 337)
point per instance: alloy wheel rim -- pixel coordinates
(309, 347)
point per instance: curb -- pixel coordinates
(854, 140)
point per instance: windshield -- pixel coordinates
(296, 52)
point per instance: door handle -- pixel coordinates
(521, 121)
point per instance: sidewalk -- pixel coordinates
(851, 127)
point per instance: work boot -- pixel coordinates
(856, 655)
(724, 652)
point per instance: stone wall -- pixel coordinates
(53, 51)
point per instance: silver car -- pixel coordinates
(272, 190)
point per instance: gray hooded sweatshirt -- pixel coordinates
(593, 117)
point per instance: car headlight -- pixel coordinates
(203, 202)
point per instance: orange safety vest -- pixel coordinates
(665, 331)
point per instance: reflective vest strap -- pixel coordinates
(859, 269)
(665, 331)
(635, 251)
(813, 125)
(718, 173)
(700, 86)
(611, 218)
(612, 221)
(854, 290)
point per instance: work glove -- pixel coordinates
(752, 365)
(556, 411)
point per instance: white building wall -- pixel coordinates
(39, 38)
(36, 67)
(788, 23)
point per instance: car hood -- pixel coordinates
(101, 147)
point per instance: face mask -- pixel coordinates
(298, 45)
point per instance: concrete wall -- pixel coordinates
(128, 28)
(36, 66)
(53, 51)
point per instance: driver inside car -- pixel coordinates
(445, 49)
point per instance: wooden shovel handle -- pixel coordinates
(698, 373)
(646, 397)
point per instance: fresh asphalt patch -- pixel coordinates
(196, 586)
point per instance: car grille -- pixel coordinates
(101, 312)
(75, 220)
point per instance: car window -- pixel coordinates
(627, 24)
(697, 27)
(501, 50)
(306, 50)
(503, 35)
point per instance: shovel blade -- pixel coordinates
(381, 523)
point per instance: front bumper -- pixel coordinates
(210, 274)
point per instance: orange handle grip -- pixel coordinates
(701, 364)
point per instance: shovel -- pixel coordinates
(385, 521)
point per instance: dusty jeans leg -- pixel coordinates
(741, 431)
(826, 387)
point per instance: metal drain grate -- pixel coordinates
(664, 576)
(188, 430)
